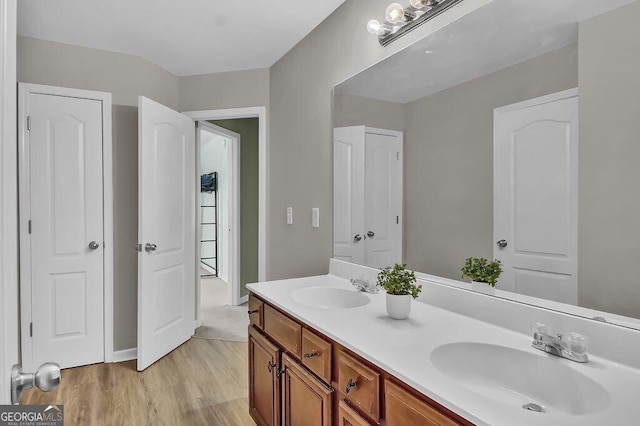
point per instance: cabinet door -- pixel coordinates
(306, 401)
(403, 409)
(264, 384)
(348, 417)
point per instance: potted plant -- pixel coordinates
(400, 285)
(483, 273)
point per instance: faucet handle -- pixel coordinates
(577, 343)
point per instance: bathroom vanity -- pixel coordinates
(321, 351)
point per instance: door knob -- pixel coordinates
(357, 238)
(502, 243)
(46, 378)
(150, 247)
(371, 234)
(93, 245)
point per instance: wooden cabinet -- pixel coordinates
(283, 330)
(317, 355)
(306, 401)
(299, 377)
(256, 311)
(264, 382)
(348, 417)
(404, 409)
(360, 384)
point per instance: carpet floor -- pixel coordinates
(219, 320)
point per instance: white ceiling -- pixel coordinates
(185, 37)
(499, 34)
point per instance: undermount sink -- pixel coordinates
(520, 379)
(330, 297)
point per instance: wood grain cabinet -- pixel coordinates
(299, 377)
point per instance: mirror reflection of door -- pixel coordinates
(368, 196)
(536, 196)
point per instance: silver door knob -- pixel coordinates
(502, 243)
(357, 238)
(371, 234)
(46, 378)
(93, 245)
(150, 247)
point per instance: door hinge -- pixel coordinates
(29, 226)
(29, 123)
(398, 155)
(30, 329)
(397, 220)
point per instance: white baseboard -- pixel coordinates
(244, 299)
(125, 355)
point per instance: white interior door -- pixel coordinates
(66, 239)
(166, 223)
(348, 194)
(535, 197)
(382, 200)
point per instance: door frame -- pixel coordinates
(233, 214)
(259, 112)
(9, 336)
(24, 192)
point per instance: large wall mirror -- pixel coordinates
(514, 134)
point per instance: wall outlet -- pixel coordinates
(315, 217)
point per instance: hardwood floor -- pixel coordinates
(203, 382)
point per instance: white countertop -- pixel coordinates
(403, 348)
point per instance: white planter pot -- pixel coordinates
(399, 307)
(482, 288)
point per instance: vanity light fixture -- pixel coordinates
(401, 20)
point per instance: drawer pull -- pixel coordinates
(312, 354)
(350, 384)
(255, 311)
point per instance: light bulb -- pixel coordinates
(394, 13)
(375, 27)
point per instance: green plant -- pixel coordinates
(399, 281)
(481, 270)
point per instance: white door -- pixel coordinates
(535, 197)
(67, 235)
(348, 194)
(382, 200)
(166, 228)
(367, 188)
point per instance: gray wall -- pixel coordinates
(449, 160)
(248, 130)
(351, 110)
(225, 90)
(609, 197)
(300, 162)
(124, 76)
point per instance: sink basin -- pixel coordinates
(516, 378)
(330, 297)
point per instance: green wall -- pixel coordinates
(248, 130)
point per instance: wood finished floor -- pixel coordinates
(203, 382)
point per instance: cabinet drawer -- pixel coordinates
(284, 330)
(316, 355)
(359, 384)
(404, 409)
(256, 311)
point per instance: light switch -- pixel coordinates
(315, 217)
(289, 215)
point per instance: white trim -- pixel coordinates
(8, 198)
(565, 94)
(233, 211)
(24, 89)
(125, 355)
(244, 299)
(263, 144)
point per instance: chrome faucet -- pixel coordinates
(364, 285)
(575, 350)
